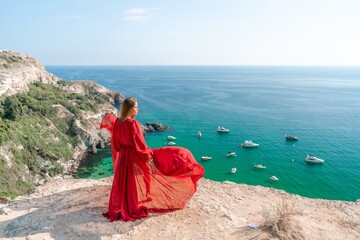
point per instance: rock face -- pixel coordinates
(155, 126)
(87, 86)
(18, 70)
(64, 115)
(88, 132)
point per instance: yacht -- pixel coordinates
(312, 159)
(231, 154)
(273, 178)
(171, 143)
(222, 129)
(205, 158)
(249, 144)
(171, 138)
(259, 166)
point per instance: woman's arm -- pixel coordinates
(143, 151)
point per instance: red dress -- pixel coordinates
(140, 187)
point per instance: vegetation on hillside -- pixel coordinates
(38, 139)
(9, 59)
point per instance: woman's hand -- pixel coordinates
(152, 165)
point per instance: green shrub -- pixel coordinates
(30, 126)
(13, 108)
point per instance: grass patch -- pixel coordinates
(279, 223)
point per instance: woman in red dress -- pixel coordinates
(146, 180)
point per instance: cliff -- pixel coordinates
(18, 71)
(66, 208)
(47, 125)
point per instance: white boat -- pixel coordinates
(249, 144)
(171, 138)
(171, 143)
(199, 134)
(222, 129)
(273, 178)
(231, 154)
(205, 158)
(259, 166)
(312, 159)
(233, 170)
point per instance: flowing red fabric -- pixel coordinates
(108, 123)
(139, 187)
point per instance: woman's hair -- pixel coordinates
(126, 107)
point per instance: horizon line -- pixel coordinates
(193, 65)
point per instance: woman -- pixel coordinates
(146, 180)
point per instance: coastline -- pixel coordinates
(262, 104)
(68, 208)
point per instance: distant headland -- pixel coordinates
(47, 124)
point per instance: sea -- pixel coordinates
(319, 105)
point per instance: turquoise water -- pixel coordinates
(320, 105)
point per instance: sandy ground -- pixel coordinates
(67, 208)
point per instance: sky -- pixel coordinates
(174, 32)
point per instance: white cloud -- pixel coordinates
(139, 14)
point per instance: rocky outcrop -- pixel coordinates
(90, 136)
(18, 70)
(77, 120)
(67, 208)
(70, 122)
(87, 86)
(155, 126)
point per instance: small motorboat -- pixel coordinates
(233, 170)
(249, 144)
(171, 143)
(171, 138)
(222, 129)
(199, 134)
(259, 166)
(231, 154)
(291, 138)
(273, 178)
(205, 158)
(312, 159)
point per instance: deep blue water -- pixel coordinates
(320, 105)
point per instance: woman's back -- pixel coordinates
(123, 132)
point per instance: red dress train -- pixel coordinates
(139, 187)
